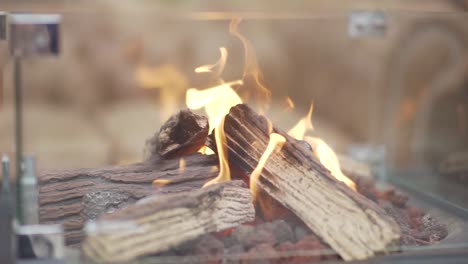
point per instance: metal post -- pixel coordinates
(18, 135)
(7, 247)
(31, 35)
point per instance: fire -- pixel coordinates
(289, 104)
(276, 143)
(164, 182)
(170, 82)
(299, 130)
(161, 182)
(219, 64)
(328, 158)
(217, 102)
(252, 75)
(322, 150)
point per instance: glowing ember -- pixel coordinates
(161, 182)
(182, 165)
(276, 143)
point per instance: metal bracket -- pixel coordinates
(47, 240)
(367, 24)
(34, 34)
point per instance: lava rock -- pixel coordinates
(249, 236)
(233, 254)
(300, 232)
(260, 254)
(309, 242)
(285, 246)
(280, 229)
(434, 230)
(396, 198)
(208, 245)
(243, 232)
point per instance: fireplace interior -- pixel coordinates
(184, 132)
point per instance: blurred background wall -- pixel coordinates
(124, 68)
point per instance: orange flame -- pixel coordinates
(166, 78)
(219, 64)
(252, 75)
(276, 143)
(322, 150)
(164, 182)
(217, 101)
(299, 130)
(328, 158)
(289, 104)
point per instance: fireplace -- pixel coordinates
(317, 132)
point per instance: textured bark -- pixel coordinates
(73, 196)
(354, 226)
(183, 133)
(157, 225)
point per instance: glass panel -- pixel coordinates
(388, 88)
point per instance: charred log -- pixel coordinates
(73, 196)
(354, 226)
(183, 133)
(168, 221)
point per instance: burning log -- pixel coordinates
(354, 226)
(73, 196)
(168, 221)
(184, 133)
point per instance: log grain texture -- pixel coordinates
(73, 196)
(158, 224)
(354, 226)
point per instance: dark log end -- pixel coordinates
(183, 133)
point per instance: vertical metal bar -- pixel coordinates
(18, 135)
(6, 174)
(7, 248)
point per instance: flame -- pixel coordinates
(164, 182)
(181, 165)
(219, 64)
(289, 104)
(168, 80)
(252, 75)
(299, 130)
(322, 150)
(328, 158)
(276, 142)
(161, 182)
(217, 101)
(206, 151)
